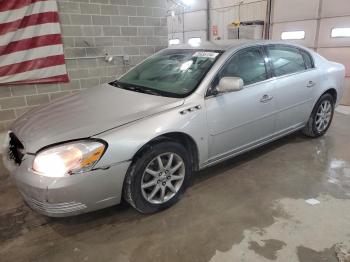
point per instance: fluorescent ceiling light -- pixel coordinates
(174, 41)
(341, 32)
(293, 35)
(195, 41)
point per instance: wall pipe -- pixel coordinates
(208, 21)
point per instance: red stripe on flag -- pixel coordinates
(30, 43)
(53, 79)
(24, 20)
(15, 4)
(30, 20)
(32, 65)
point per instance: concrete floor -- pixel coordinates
(251, 208)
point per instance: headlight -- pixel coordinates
(67, 159)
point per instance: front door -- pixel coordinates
(238, 120)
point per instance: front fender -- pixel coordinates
(126, 140)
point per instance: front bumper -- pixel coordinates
(76, 194)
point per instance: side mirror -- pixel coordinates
(230, 84)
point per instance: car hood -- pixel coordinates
(86, 114)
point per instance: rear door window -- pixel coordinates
(286, 59)
(308, 59)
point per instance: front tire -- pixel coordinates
(321, 117)
(157, 178)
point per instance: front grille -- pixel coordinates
(15, 149)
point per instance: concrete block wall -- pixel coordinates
(90, 28)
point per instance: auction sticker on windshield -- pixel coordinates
(205, 54)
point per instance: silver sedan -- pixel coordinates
(141, 137)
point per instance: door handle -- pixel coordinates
(266, 98)
(310, 84)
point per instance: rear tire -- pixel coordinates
(321, 117)
(157, 179)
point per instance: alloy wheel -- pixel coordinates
(323, 116)
(162, 178)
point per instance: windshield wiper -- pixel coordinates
(135, 88)
(115, 83)
(142, 90)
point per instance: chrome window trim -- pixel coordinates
(295, 73)
(265, 81)
(270, 72)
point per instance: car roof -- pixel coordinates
(224, 45)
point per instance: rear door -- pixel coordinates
(295, 80)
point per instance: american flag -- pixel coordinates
(31, 49)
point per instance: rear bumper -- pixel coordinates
(67, 196)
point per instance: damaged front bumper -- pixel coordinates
(66, 196)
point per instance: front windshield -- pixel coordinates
(173, 73)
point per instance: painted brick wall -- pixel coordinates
(90, 28)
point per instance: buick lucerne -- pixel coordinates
(142, 136)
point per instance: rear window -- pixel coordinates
(286, 60)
